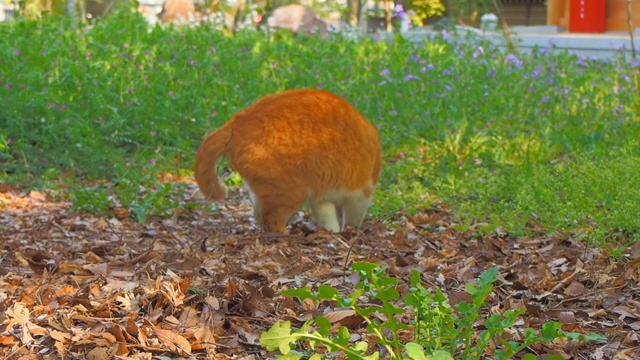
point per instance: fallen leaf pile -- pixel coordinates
(205, 285)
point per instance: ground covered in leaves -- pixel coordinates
(206, 285)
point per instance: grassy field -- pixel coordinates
(530, 143)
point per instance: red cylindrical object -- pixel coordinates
(588, 16)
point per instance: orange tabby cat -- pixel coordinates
(296, 147)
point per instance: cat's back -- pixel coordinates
(302, 109)
(305, 118)
(305, 133)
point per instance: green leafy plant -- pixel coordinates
(439, 327)
(375, 284)
(440, 331)
(423, 9)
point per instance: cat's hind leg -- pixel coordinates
(355, 209)
(326, 215)
(257, 212)
(276, 210)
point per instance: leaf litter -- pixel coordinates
(205, 285)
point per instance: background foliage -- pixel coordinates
(520, 142)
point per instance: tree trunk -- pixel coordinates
(630, 23)
(388, 13)
(354, 8)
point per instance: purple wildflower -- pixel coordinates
(513, 59)
(536, 73)
(478, 52)
(384, 72)
(582, 62)
(618, 110)
(152, 161)
(488, 125)
(410, 77)
(545, 99)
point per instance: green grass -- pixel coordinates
(526, 142)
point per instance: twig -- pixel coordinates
(182, 244)
(505, 27)
(269, 236)
(9, 355)
(353, 243)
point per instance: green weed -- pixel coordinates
(441, 331)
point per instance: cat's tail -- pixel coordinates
(213, 147)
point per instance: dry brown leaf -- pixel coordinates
(625, 312)
(29, 357)
(567, 317)
(575, 289)
(173, 340)
(98, 269)
(8, 340)
(121, 213)
(173, 293)
(98, 353)
(338, 315)
(212, 302)
(60, 336)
